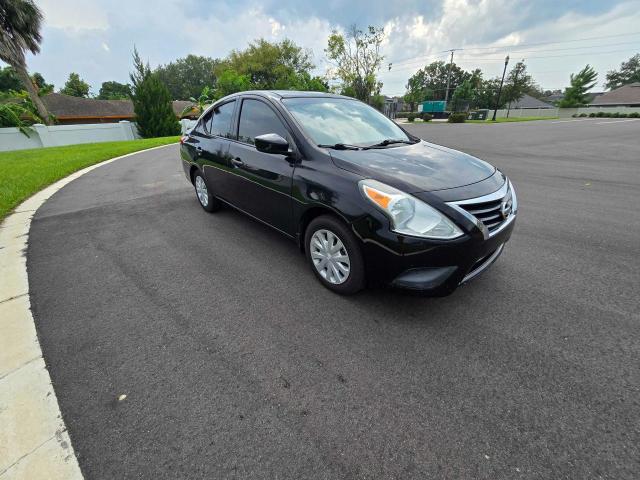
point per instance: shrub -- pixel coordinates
(582, 115)
(426, 116)
(634, 115)
(607, 114)
(592, 114)
(574, 115)
(411, 117)
(457, 118)
(600, 114)
(621, 115)
(152, 105)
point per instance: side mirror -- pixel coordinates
(272, 143)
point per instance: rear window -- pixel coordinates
(217, 121)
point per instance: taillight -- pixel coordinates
(183, 139)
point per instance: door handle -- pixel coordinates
(237, 162)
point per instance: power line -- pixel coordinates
(496, 59)
(495, 47)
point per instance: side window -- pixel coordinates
(256, 118)
(221, 121)
(203, 125)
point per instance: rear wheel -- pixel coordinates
(334, 254)
(207, 201)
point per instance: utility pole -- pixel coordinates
(495, 111)
(446, 95)
(515, 83)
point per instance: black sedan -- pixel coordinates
(366, 201)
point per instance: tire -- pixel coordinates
(327, 258)
(205, 199)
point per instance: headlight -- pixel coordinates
(408, 215)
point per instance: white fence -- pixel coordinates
(58, 135)
(525, 112)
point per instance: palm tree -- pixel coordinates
(20, 22)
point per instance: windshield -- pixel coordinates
(330, 121)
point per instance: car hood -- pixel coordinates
(419, 167)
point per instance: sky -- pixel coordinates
(95, 38)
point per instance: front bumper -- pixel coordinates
(434, 268)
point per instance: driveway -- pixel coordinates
(236, 363)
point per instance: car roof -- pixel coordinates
(278, 94)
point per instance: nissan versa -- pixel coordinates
(366, 201)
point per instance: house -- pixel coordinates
(70, 110)
(527, 101)
(625, 96)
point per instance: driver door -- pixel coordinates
(261, 182)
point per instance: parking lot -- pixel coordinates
(236, 363)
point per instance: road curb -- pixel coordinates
(34, 443)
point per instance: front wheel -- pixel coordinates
(334, 254)
(207, 201)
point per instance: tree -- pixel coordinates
(356, 58)
(305, 82)
(486, 93)
(576, 94)
(517, 84)
(20, 22)
(200, 104)
(151, 102)
(430, 82)
(9, 80)
(113, 90)
(75, 86)
(462, 97)
(230, 81)
(186, 77)
(283, 65)
(629, 73)
(40, 82)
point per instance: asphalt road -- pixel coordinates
(236, 363)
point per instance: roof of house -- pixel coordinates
(527, 101)
(625, 95)
(68, 107)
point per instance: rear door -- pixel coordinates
(261, 181)
(214, 153)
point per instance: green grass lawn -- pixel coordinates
(489, 122)
(512, 119)
(24, 172)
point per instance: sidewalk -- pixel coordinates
(34, 443)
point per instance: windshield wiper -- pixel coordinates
(340, 146)
(388, 141)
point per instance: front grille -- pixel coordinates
(492, 210)
(490, 213)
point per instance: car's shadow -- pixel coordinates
(288, 264)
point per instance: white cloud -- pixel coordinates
(73, 14)
(164, 30)
(417, 42)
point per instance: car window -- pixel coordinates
(221, 120)
(256, 118)
(203, 125)
(340, 120)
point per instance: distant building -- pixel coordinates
(70, 110)
(393, 105)
(527, 101)
(625, 96)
